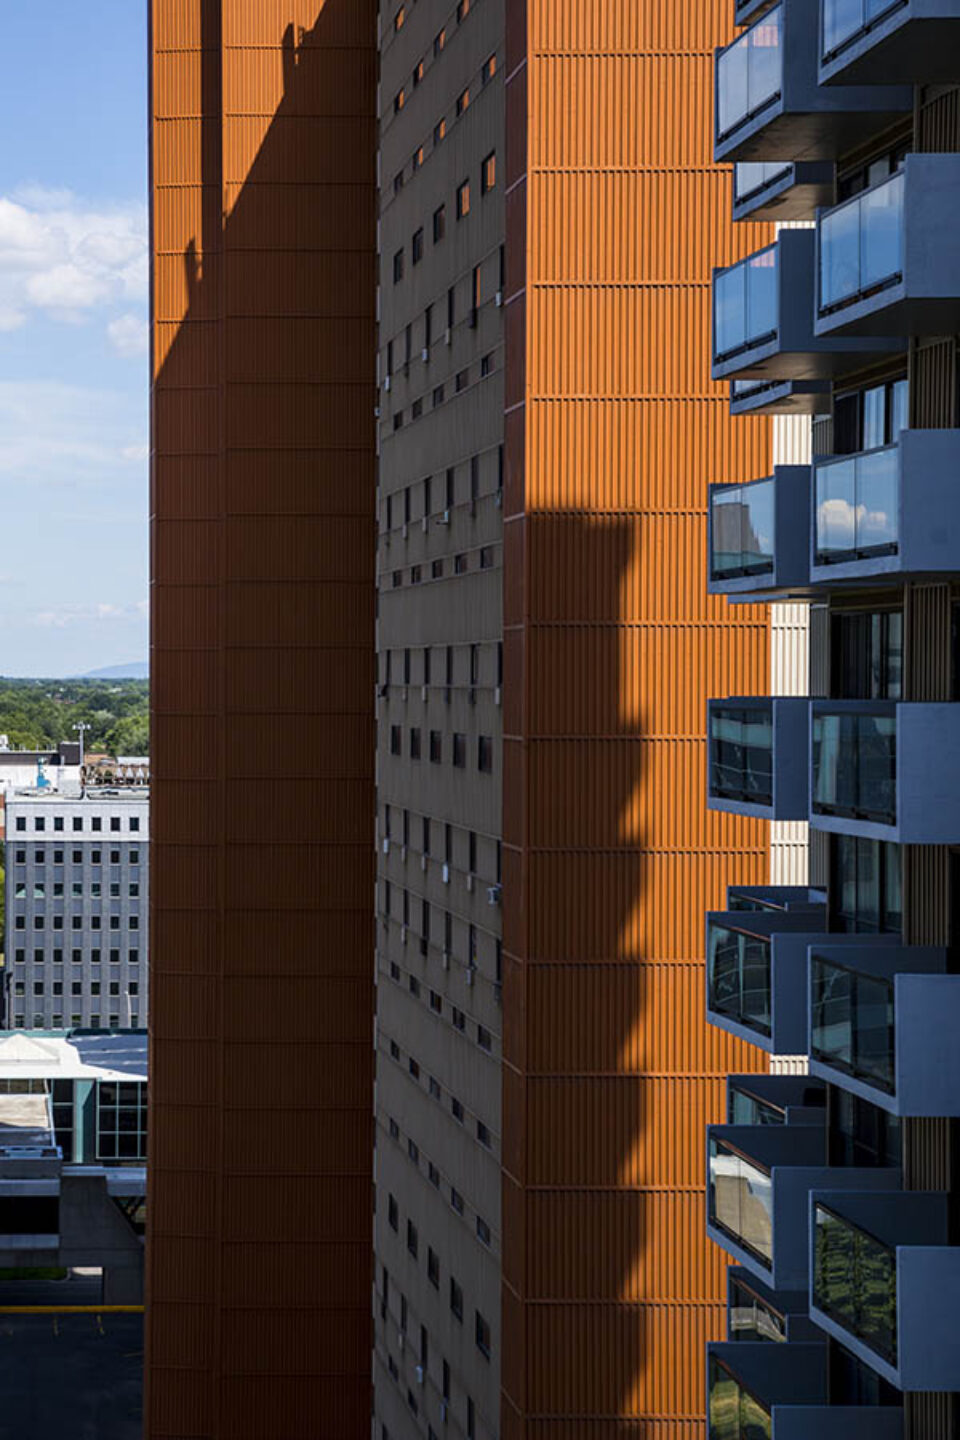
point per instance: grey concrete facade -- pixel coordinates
(77, 891)
(437, 1233)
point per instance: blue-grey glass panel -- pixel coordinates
(857, 506)
(861, 244)
(855, 1282)
(741, 754)
(738, 971)
(843, 20)
(749, 73)
(746, 1109)
(854, 765)
(741, 1200)
(852, 1023)
(742, 530)
(750, 176)
(752, 1319)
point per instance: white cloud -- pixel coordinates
(60, 616)
(71, 434)
(129, 334)
(68, 259)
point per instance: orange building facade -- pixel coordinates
(615, 216)
(263, 476)
(264, 590)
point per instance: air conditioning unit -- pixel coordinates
(446, 874)
(498, 696)
(405, 531)
(470, 974)
(493, 894)
(499, 298)
(403, 934)
(425, 524)
(419, 1374)
(448, 336)
(446, 959)
(424, 692)
(424, 861)
(387, 383)
(444, 519)
(386, 844)
(425, 355)
(469, 884)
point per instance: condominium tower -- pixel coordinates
(461, 561)
(834, 1187)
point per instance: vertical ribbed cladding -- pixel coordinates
(263, 295)
(615, 218)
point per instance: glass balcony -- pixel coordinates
(885, 1282)
(775, 1100)
(757, 1315)
(772, 190)
(758, 1391)
(888, 260)
(886, 770)
(763, 320)
(872, 510)
(757, 534)
(757, 973)
(755, 750)
(865, 42)
(769, 105)
(883, 1026)
(855, 762)
(775, 899)
(746, 11)
(780, 397)
(759, 1179)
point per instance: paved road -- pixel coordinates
(71, 1377)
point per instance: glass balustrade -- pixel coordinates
(861, 245)
(749, 73)
(738, 976)
(749, 177)
(741, 753)
(857, 503)
(734, 1414)
(752, 1319)
(742, 530)
(852, 1023)
(741, 1199)
(855, 1282)
(746, 306)
(845, 20)
(855, 763)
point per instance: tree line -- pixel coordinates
(39, 714)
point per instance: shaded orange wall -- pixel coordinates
(615, 217)
(263, 480)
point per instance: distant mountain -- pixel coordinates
(137, 670)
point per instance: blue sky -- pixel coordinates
(73, 336)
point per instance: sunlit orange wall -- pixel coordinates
(612, 647)
(263, 155)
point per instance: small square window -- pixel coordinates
(58, 822)
(135, 822)
(456, 1107)
(483, 1134)
(40, 823)
(21, 822)
(436, 570)
(96, 823)
(114, 822)
(77, 823)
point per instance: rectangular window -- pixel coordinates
(489, 69)
(396, 740)
(463, 101)
(433, 1268)
(439, 224)
(483, 1336)
(440, 131)
(865, 886)
(456, 1299)
(488, 174)
(414, 743)
(439, 41)
(417, 247)
(485, 753)
(436, 747)
(866, 655)
(413, 1240)
(463, 200)
(459, 751)
(398, 267)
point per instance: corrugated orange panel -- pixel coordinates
(614, 432)
(262, 488)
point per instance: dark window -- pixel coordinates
(439, 224)
(866, 655)
(488, 174)
(865, 886)
(463, 200)
(459, 751)
(436, 746)
(396, 740)
(463, 101)
(485, 753)
(416, 248)
(413, 1241)
(433, 1268)
(483, 1335)
(456, 1299)
(398, 267)
(489, 69)
(414, 743)
(483, 1231)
